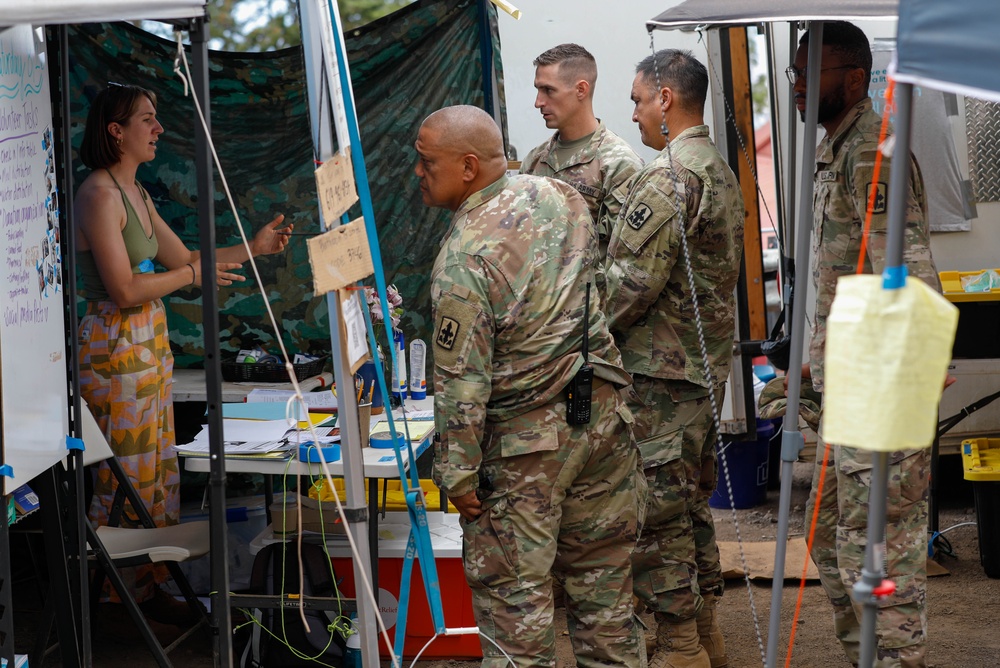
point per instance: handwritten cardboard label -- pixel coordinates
(340, 257)
(335, 187)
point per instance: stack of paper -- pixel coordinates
(258, 438)
(322, 401)
(243, 438)
(416, 429)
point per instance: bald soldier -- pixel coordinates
(582, 152)
(538, 496)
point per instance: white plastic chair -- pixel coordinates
(114, 547)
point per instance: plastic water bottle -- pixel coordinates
(352, 653)
(399, 374)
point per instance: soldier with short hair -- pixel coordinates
(537, 494)
(844, 183)
(687, 193)
(582, 151)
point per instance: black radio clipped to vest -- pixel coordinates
(581, 387)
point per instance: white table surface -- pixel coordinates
(378, 463)
(393, 534)
(189, 385)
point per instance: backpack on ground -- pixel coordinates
(256, 647)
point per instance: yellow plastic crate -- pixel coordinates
(981, 463)
(394, 499)
(978, 317)
(981, 459)
(951, 287)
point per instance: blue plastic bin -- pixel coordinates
(748, 472)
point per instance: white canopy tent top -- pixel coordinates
(41, 12)
(715, 13)
(950, 46)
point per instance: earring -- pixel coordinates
(119, 142)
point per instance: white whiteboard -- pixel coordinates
(33, 386)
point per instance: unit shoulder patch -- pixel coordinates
(638, 216)
(881, 199)
(447, 333)
(453, 332)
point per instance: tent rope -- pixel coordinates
(699, 327)
(185, 77)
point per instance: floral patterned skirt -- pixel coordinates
(126, 371)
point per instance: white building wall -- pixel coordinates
(616, 35)
(614, 32)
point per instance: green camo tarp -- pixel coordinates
(403, 67)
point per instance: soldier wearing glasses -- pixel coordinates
(844, 186)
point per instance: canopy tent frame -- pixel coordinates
(715, 14)
(74, 621)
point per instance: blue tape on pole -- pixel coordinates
(894, 278)
(75, 444)
(7, 470)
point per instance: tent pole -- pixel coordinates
(865, 589)
(781, 188)
(486, 58)
(222, 648)
(788, 258)
(791, 439)
(78, 497)
(871, 573)
(326, 56)
(899, 177)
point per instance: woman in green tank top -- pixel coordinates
(125, 361)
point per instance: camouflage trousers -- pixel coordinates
(839, 550)
(567, 503)
(677, 557)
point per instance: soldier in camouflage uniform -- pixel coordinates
(582, 152)
(690, 190)
(843, 186)
(537, 496)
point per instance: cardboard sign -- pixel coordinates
(340, 257)
(335, 187)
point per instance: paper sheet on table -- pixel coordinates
(260, 410)
(886, 359)
(417, 429)
(235, 448)
(248, 430)
(314, 400)
(414, 414)
(328, 419)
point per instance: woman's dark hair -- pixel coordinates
(114, 104)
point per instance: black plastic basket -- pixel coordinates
(238, 372)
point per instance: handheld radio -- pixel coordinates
(580, 389)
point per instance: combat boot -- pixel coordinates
(710, 634)
(678, 646)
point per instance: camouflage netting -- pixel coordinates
(403, 67)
